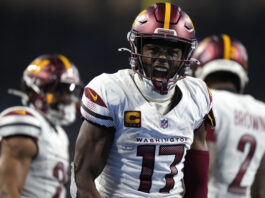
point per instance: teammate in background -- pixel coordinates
(143, 126)
(237, 144)
(34, 159)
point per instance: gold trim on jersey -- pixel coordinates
(22, 112)
(211, 119)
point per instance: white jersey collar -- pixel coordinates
(146, 88)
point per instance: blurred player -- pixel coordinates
(240, 120)
(139, 123)
(34, 160)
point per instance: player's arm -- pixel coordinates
(199, 141)
(212, 150)
(16, 156)
(91, 153)
(257, 189)
(197, 165)
(211, 143)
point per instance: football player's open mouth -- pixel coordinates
(160, 72)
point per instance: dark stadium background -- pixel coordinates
(89, 32)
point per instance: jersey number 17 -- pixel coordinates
(148, 154)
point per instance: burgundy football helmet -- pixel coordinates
(220, 53)
(52, 85)
(165, 22)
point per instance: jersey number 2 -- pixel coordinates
(148, 154)
(235, 187)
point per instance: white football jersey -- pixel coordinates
(49, 170)
(240, 135)
(147, 155)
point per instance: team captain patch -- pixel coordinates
(132, 119)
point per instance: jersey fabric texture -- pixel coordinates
(149, 148)
(240, 134)
(47, 174)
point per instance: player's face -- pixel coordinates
(62, 99)
(67, 93)
(161, 59)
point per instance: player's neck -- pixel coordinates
(145, 86)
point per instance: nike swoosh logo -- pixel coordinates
(94, 97)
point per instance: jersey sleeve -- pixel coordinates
(94, 105)
(204, 102)
(209, 118)
(19, 121)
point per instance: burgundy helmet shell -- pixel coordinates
(164, 21)
(221, 53)
(47, 74)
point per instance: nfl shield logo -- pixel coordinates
(164, 123)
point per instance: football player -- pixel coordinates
(143, 133)
(237, 144)
(34, 148)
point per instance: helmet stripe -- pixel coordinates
(44, 63)
(167, 15)
(141, 13)
(227, 46)
(65, 61)
(37, 65)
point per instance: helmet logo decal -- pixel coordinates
(227, 46)
(37, 65)
(167, 15)
(190, 22)
(141, 13)
(65, 61)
